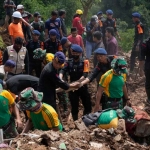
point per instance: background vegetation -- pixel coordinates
(122, 12)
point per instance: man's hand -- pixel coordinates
(19, 124)
(96, 107)
(75, 85)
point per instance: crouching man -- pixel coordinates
(7, 108)
(40, 116)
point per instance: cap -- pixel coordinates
(19, 7)
(73, 29)
(99, 13)
(126, 113)
(63, 41)
(10, 63)
(109, 11)
(79, 11)
(93, 18)
(36, 14)
(29, 99)
(39, 53)
(136, 15)
(60, 56)
(76, 48)
(36, 32)
(100, 51)
(53, 32)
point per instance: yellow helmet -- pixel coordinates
(79, 12)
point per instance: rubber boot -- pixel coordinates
(75, 117)
(148, 95)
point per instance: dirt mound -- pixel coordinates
(79, 138)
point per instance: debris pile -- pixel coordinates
(79, 138)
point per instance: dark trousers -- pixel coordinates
(147, 76)
(84, 95)
(49, 97)
(133, 56)
(37, 67)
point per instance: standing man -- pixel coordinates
(78, 69)
(49, 79)
(75, 38)
(39, 25)
(77, 22)
(53, 23)
(97, 39)
(26, 16)
(9, 9)
(19, 55)
(91, 27)
(138, 39)
(62, 16)
(112, 83)
(112, 44)
(15, 28)
(145, 57)
(109, 22)
(34, 64)
(52, 44)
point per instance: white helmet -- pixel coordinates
(17, 14)
(20, 7)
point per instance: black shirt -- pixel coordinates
(63, 27)
(9, 10)
(52, 47)
(101, 68)
(75, 69)
(18, 83)
(49, 79)
(31, 46)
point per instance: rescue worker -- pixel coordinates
(34, 64)
(91, 27)
(7, 67)
(53, 23)
(48, 57)
(97, 39)
(77, 69)
(138, 39)
(109, 22)
(7, 123)
(9, 6)
(19, 55)
(62, 16)
(103, 65)
(39, 25)
(26, 16)
(19, 82)
(49, 79)
(145, 58)
(66, 44)
(52, 45)
(77, 22)
(112, 83)
(40, 116)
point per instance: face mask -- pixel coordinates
(76, 57)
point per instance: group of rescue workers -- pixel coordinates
(42, 60)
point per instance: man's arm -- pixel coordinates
(5, 56)
(28, 126)
(125, 93)
(16, 113)
(98, 98)
(26, 62)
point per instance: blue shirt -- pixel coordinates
(53, 24)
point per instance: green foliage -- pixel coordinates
(2, 44)
(126, 39)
